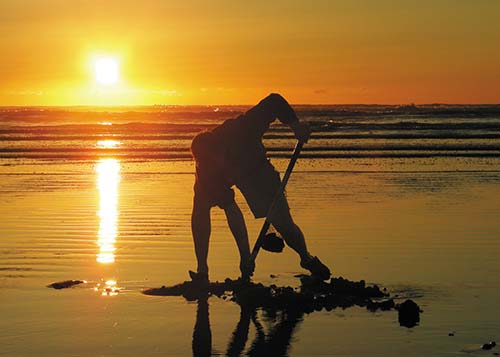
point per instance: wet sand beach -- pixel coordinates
(425, 228)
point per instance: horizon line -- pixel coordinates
(411, 104)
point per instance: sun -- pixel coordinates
(106, 70)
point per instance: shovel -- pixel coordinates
(271, 242)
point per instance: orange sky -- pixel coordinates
(235, 52)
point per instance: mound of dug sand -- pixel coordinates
(311, 295)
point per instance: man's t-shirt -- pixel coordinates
(241, 140)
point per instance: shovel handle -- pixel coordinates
(277, 196)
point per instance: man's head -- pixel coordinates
(205, 148)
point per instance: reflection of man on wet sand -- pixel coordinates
(202, 335)
(233, 154)
(275, 343)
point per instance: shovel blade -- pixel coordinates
(272, 243)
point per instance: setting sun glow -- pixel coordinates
(181, 52)
(106, 70)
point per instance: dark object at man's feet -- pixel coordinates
(272, 243)
(316, 267)
(408, 313)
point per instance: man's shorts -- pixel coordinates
(259, 189)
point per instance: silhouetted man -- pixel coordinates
(233, 154)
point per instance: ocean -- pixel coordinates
(164, 132)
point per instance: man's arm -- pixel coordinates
(201, 227)
(275, 106)
(301, 130)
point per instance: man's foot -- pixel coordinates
(199, 279)
(247, 268)
(316, 267)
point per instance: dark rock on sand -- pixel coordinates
(408, 313)
(489, 345)
(65, 284)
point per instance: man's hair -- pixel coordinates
(203, 145)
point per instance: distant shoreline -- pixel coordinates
(249, 105)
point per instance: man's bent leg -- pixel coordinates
(259, 190)
(293, 236)
(201, 227)
(291, 233)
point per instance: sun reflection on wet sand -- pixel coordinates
(108, 288)
(108, 144)
(108, 178)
